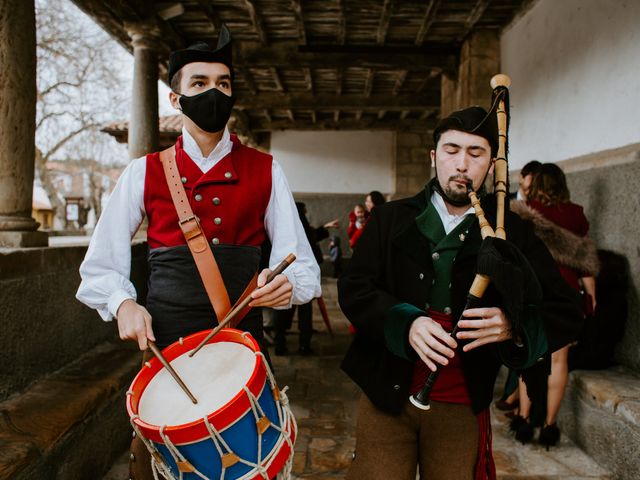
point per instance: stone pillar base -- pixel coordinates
(24, 239)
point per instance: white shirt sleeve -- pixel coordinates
(106, 267)
(286, 233)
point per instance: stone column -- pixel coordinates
(479, 61)
(17, 124)
(143, 121)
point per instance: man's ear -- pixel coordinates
(174, 98)
(432, 154)
(492, 166)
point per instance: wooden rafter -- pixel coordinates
(368, 85)
(402, 76)
(404, 114)
(348, 102)
(314, 118)
(308, 79)
(296, 6)
(342, 23)
(290, 115)
(291, 55)
(358, 115)
(381, 114)
(242, 126)
(472, 19)
(276, 79)
(385, 19)
(369, 123)
(339, 81)
(257, 21)
(248, 79)
(266, 114)
(428, 113)
(427, 20)
(211, 14)
(336, 116)
(427, 80)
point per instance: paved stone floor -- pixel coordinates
(324, 401)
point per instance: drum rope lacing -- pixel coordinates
(285, 417)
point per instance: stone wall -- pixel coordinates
(43, 326)
(608, 192)
(413, 164)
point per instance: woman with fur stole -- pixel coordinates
(563, 228)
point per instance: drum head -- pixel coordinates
(215, 375)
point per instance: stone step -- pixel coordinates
(565, 461)
(71, 423)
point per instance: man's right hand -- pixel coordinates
(134, 323)
(432, 342)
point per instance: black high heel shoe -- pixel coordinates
(549, 436)
(522, 429)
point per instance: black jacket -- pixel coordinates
(393, 266)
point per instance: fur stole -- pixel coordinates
(566, 248)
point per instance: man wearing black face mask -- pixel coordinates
(241, 199)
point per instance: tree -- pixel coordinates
(80, 88)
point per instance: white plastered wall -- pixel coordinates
(336, 162)
(575, 70)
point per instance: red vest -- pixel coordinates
(230, 199)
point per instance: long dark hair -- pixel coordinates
(376, 198)
(549, 185)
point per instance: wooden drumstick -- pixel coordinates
(156, 351)
(242, 305)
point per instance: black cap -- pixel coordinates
(202, 52)
(471, 120)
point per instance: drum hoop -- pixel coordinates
(176, 350)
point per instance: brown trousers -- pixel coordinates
(442, 443)
(140, 458)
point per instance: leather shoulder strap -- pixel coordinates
(195, 237)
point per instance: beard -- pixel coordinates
(453, 189)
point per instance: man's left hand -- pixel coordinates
(276, 293)
(489, 325)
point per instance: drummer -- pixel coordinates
(242, 199)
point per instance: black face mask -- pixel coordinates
(209, 110)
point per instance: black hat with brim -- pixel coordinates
(202, 52)
(474, 120)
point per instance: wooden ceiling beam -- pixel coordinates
(339, 81)
(402, 76)
(476, 13)
(368, 85)
(336, 116)
(327, 101)
(267, 115)
(248, 79)
(369, 123)
(296, 6)
(342, 24)
(211, 14)
(308, 79)
(276, 79)
(257, 21)
(385, 20)
(427, 20)
(290, 55)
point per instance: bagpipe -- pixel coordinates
(500, 107)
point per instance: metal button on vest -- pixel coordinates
(396, 387)
(435, 255)
(421, 276)
(217, 220)
(216, 201)
(198, 197)
(447, 310)
(183, 179)
(227, 175)
(215, 241)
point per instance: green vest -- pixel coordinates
(444, 249)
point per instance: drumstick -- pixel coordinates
(156, 351)
(242, 305)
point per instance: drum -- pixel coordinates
(241, 427)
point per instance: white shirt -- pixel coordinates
(106, 267)
(449, 221)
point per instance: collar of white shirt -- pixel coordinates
(449, 221)
(192, 149)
